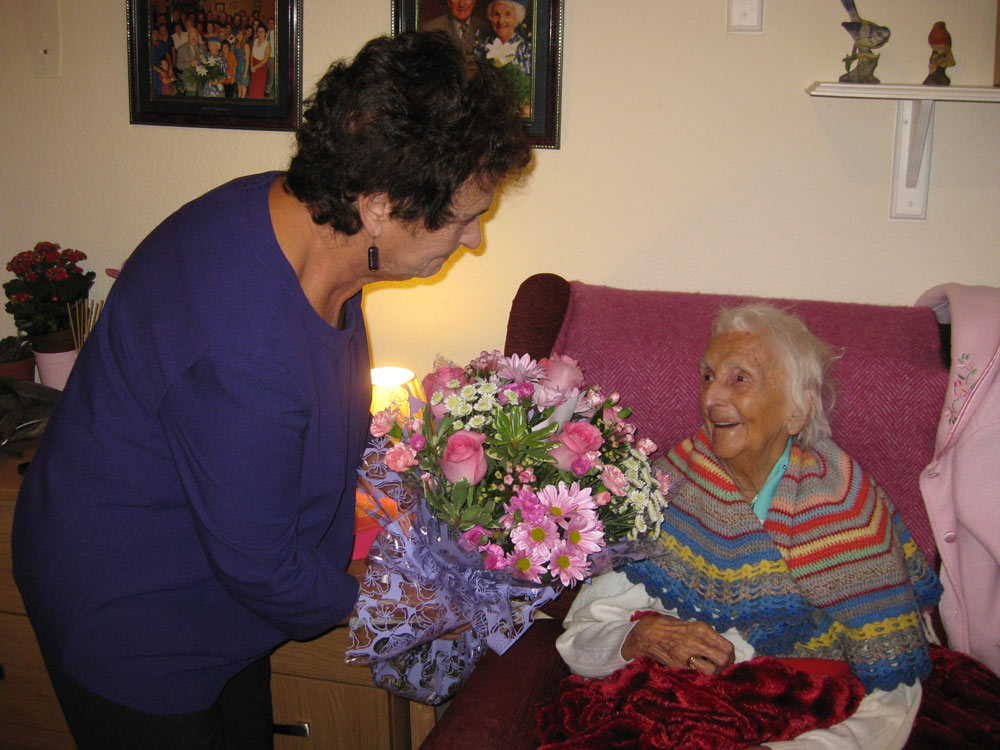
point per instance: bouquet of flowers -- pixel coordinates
(504, 55)
(515, 479)
(195, 78)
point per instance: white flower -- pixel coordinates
(453, 403)
(502, 52)
(201, 70)
(487, 403)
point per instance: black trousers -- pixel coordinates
(240, 719)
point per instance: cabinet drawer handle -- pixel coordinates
(300, 729)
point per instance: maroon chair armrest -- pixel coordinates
(495, 708)
(536, 315)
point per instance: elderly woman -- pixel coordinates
(191, 504)
(776, 544)
(506, 46)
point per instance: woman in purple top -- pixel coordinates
(191, 503)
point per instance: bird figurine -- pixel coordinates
(940, 41)
(867, 36)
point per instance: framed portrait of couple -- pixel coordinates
(236, 64)
(523, 38)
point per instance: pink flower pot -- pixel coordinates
(54, 367)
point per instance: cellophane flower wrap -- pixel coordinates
(515, 479)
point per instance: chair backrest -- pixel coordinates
(890, 380)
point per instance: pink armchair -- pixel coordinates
(891, 379)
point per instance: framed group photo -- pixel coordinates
(233, 64)
(523, 38)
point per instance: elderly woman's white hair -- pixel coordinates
(805, 360)
(519, 9)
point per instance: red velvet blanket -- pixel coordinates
(649, 706)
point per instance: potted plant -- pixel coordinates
(17, 360)
(46, 280)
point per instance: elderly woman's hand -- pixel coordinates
(679, 644)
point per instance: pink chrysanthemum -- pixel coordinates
(519, 369)
(562, 502)
(535, 538)
(567, 565)
(584, 534)
(527, 566)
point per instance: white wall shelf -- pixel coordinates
(911, 155)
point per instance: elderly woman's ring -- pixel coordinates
(691, 662)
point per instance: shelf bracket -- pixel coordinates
(911, 159)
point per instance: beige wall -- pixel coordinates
(690, 160)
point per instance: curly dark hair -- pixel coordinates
(412, 117)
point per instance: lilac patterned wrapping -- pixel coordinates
(419, 585)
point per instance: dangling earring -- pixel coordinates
(373, 257)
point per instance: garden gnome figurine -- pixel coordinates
(941, 57)
(867, 36)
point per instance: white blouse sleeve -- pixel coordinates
(599, 620)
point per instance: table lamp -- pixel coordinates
(395, 386)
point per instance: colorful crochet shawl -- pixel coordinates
(831, 574)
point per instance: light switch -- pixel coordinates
(41, 35)
(745, 16)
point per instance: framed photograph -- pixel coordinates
(192, 66)
(996, 51)
(521, 37)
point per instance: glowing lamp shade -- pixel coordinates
(393, 386)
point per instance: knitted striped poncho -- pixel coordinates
(831, 574)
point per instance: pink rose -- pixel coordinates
(614, 480)
(576, 438)
(438, 381)
(382, 422)
(602, 498)
(400, 457)
(561, 372)
(464, 457)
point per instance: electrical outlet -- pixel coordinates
(745, 16)
(41, 26)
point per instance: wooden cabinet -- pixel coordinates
(310, 684)
(30, 716)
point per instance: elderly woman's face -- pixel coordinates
(503, 17)
(744, 403)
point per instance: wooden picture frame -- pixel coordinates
(278, 107)
(540, 87)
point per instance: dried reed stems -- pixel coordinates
(83, 316)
